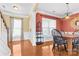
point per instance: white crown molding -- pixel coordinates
(13, 14)
(74, 12)
(47, 13)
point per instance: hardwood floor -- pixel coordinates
(25, 48)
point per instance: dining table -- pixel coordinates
(69, 38)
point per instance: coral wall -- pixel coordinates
(69, 24)
(39, 17)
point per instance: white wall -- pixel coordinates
(32, 34)
(3, 32)
(33, 28)
(27, 35)
(4, 49)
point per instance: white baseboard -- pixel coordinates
(27, 36)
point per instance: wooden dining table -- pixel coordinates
(69, 38)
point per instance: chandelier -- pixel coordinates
(67, 11)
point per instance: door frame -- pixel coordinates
(11, 33)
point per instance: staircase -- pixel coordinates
(4, 37)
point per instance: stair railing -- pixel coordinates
(7, 29)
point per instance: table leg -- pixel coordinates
(69, 42)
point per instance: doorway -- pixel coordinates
(16, 31)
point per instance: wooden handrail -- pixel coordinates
(5, 27)
(4, 21)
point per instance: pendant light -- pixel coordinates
(67, 12)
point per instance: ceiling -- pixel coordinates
(23, 8)
(57, 9)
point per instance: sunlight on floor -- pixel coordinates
(17, 50)
(47, 50)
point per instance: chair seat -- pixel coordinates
(61, 42)
(76, 40)
(75, 45)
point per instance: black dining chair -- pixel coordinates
(76, 41)
(58, 39)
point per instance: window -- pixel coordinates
(47, 26)
(17, 28)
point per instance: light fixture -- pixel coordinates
(15, 7)
(3, 6)
(67, 17)
(67, 12)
